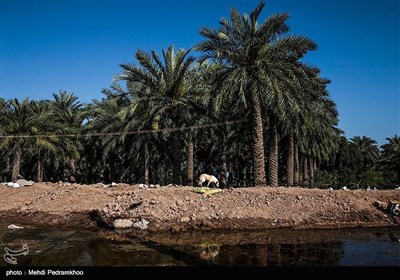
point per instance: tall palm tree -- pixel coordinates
(69, 114)
(293, 124)
(135, 116)
(17, 120)
(5, 157)
(255, 59)
(320, 136)
(202, 109)
(105, 118)
(44, 127)
(165, 82)
(198, 88)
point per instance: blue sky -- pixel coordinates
(78, 45)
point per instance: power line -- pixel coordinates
(127, 132)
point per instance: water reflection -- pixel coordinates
(268, 248)
(209, 252)
(326, 254)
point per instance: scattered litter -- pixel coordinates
(199, 190)
(391, 207)
(211, 192)
(141, 224)
(394, 208)
(24, 183)
(12, 226)
(344, 188)
(113, 184)
(205, 190)
(122, 223)
(331, 189)
(380, 205)
(19, 183)
(12, 185)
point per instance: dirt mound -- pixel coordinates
(178, 208)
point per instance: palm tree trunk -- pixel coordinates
(300, 173)
(311, 167)
(273, 156)
(222, 165)
(16, 164)
(166, 178)
(8, 163)
(90, 168)
(146, 172)
(39, 177)
(42, 170)
(146, 165)
(296, 166)
(305, 171)
(258, 143)
(113, 167)
(176, 159)
(176, 152)
(244, 176)
(290, 161)
(230, 175)
(190, 162)
(73, 169)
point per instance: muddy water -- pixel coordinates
(345, 247)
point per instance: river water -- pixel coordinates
(279, 247)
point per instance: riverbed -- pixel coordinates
(275, 247)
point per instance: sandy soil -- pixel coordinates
(176, 208)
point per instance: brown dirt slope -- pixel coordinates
(177, 208)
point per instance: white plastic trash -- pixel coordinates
(13, 185)
(12, 226)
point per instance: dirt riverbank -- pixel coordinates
(178, 208)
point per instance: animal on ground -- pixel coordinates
(210, 179)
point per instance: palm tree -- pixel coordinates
(367, 149)
(69, 114)
(293, 124)
(5, 158)
(16, 120)
(166, 85)
(255, 59)
(202, 109)
(320, 136)
(44, 127)
(366, 154)
(198, 88)
(135, 116)
(345, 162)
(106, 118)
(390, 160)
